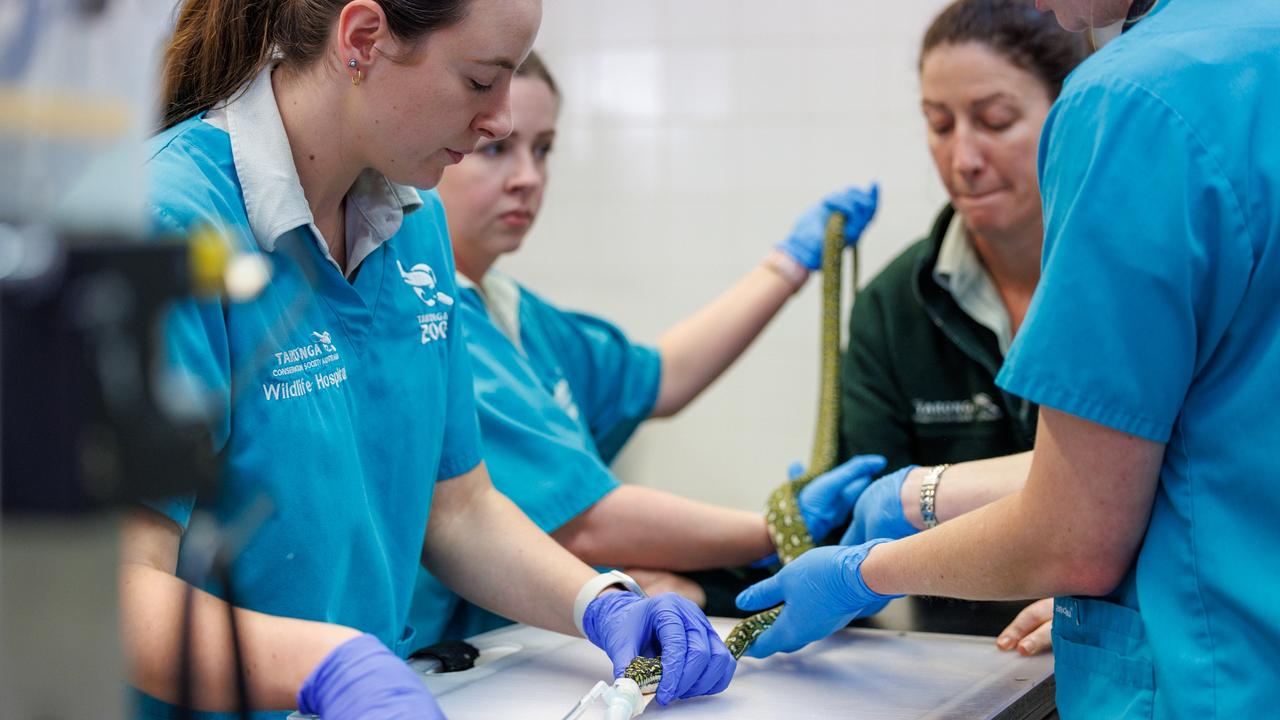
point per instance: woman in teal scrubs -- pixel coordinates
(299, 131)
(1151, 345)
(559, 393)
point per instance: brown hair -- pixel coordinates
(535, 68)
(219, 45)
(1027, 38)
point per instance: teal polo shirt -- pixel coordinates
(343, 398)
(1156, 315)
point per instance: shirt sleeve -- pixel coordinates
(461, 452)
(538, 452)
(872, 417)
(196, 380)
(1141, 252)
(197, 374)
(614, 382)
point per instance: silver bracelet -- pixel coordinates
(928, 491)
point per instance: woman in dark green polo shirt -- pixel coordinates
(929, 333)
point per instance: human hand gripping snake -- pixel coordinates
(786, 526)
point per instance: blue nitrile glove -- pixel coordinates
(827, 500)
(807, 237)
(361, 678)
(823, 590)
(694, 659)
(879, 512)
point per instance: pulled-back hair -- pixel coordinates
(535, 68)
(219, 45)
(1027, 38)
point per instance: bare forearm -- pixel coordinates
(1072, 529)
(966, 486)
(642, 527)
(279, 653)
(697, 349)
(992, 553)
(484, 548)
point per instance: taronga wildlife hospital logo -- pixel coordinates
(305, 368)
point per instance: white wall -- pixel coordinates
(692, 134)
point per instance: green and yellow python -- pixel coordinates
(786, 527)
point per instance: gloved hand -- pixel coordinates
(694, 659)
(806, 239)
(823, 590)
(361, 678)
(829, 498)
(879, 512)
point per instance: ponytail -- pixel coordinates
(218, 46)
(534, 67)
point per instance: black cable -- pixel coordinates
(223, 569)
(185, 679)
(208, 551)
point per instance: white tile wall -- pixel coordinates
(692, 134)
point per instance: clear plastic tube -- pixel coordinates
(622, 700)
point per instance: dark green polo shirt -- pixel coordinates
(917, 381)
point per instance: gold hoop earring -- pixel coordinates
(358, 75)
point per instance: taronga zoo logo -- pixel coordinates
(422, 279)
(434, 324)
(979, 408)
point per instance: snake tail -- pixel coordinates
(746, 632)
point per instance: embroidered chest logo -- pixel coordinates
(422, 280)
(563, 396)
(979, 408)
(307, 368)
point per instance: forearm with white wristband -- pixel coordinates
(592, 588)
(791, 271)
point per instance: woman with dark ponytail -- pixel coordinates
(307, 132)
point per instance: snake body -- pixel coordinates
(786, 525)
(646, 672)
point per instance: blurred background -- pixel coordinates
(692, 134)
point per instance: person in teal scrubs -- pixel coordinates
(559, 392)
(1151, 345)
(299, 132)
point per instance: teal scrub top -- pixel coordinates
(558, 394)
(342, 402)
(1157, 315)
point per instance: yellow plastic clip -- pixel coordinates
(210, 253)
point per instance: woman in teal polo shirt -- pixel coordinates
(1151, 347)
(299, 131)
(559, 393)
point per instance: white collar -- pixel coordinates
(273, 196)
(501, 298)
(960, 271)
